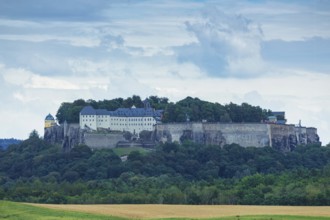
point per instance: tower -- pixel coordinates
(49, 121)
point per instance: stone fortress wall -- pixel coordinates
(70, 135)
(281, 137)
(95, 141)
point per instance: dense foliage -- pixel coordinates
(4, 143)
(192, 109)
(35, 171)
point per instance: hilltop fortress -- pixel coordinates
(99, 128)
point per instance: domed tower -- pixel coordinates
(49, 121)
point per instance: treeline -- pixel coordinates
(196, 110)
(192, 109)
(4, 143)
(301, 187)
(35, 171)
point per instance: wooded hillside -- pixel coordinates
(35, 171)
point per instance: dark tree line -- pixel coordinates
(4, 143)
(35, 171)
(194, 109)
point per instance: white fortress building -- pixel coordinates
(131, 119)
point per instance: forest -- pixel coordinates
(194, 109)
(36, 171)
(4, 143)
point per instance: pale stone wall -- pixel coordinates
(215, 133)
(281, 137)
(110, 140)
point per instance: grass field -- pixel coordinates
(19, 211)
(10, 210)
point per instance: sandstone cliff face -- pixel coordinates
(281, 137)
(67, 135)
(54, 135)
(73, 136)
(284, 143)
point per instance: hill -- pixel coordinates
(193, 109)
(36, 171)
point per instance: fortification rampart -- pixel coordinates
(282, 137)
(109, 140)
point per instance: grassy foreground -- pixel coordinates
(19, 211)
(12, 210)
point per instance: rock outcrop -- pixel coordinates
(73, 136)
(281, 137)
(66, 135)
(54, 135)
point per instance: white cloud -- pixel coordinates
(16, 76)
(231, 41)
(73, 40)
(19, 23)
(27, 79)
(41, 82)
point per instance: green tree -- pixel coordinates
(34, 135)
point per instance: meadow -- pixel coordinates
(16, 211)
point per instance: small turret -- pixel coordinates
(49, 121)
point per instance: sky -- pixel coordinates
(274, 54)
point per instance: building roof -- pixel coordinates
(88, 110)
(123, 112)
(278, 113)
(49, 117)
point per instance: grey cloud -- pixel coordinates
(111, 41)
(46, 58)
(209, 60)
(51, 57)
(52, 10)
(228, 45)
(312, 54)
